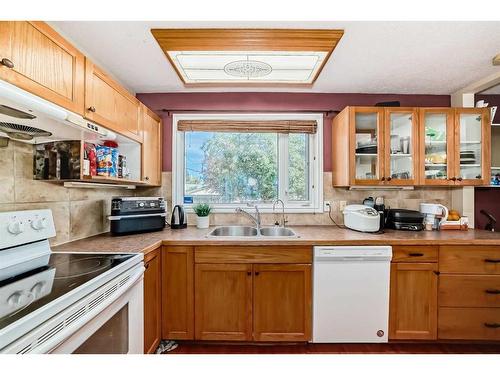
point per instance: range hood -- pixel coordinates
(27, 118)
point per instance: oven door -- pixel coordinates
(118, 329)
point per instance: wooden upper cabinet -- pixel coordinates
(413, 301)
(223, 299)
(472, 146)
(37, 59)
(282, 302)
(400, 146)
(437, 139)
(357, 143)
(109, 104)
(177, 277)
(411, 146)
(151, 146)
(152, 301)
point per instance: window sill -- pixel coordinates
(262, 209)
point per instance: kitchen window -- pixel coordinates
(232, 159)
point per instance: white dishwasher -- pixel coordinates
(351, 294)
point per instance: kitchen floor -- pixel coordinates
(392, 348)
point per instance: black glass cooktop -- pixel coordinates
(43, 285)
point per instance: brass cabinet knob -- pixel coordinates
(146, 178)
(6, 62)
(389, 178)
(459, 179)
(91, 109)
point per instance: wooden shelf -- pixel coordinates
(112, 180)
(435, 165)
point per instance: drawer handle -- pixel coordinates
(416, 254)
(249, 273)
(91, 109)
(7, 63)
(492, 260)
(492, 325)
(492, 291)
(257, 273)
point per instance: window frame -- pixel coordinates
(315, 148)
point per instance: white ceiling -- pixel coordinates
(372, 57)
(495, 90)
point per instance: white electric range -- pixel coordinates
(65, 302)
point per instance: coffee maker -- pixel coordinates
(434, 215)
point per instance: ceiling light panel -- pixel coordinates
(295, 67)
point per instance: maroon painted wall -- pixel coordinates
(487, 199)
(272, 101)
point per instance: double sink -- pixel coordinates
(244, 231)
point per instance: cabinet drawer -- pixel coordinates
(426, 254)
(469, 323)
(470, 259)
(469, 291)
(253, 254)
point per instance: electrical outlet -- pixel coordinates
(326, 206)
(342, 205)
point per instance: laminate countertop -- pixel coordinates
(308, 235)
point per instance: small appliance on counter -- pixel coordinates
(434, 215)
(402, 219)
(137, 214)
(377, 204)
(179, 218)
(361, 218)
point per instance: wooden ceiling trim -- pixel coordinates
(247, 39)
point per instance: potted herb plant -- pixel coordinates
(202, 210)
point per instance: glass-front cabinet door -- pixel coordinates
(367, 144)
(472, 145)
(401, 151)
(436, 146)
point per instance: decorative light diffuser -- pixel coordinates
(247, 56)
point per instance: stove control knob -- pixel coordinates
(141, 204)
(15, 299)
(16, 227)
(37, 289)
(39, 223)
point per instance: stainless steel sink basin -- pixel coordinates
(277, 232)
(234, 231)
(242, 231)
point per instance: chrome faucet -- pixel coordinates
(255, 219)
(283, 220)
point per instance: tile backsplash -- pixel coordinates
(409, 199)
(80, 213)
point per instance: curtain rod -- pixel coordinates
(326, 112)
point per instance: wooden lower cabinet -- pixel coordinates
(282, 302)
(152, 301)
(223, 300)
(177, 279)
(413, 301)
(469, 323)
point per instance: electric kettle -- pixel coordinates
(179, 218)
